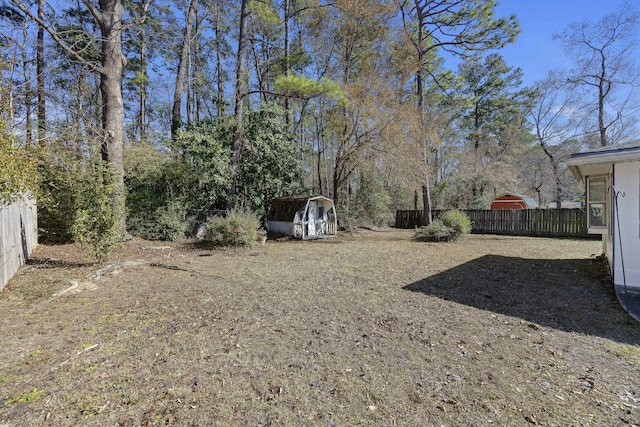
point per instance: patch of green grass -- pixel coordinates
(42, 289)
(24, 398)
(623, 351)
(109, 318)
(36, 353)
(492, 395)
(85, 346)
(91, 368)
(88, 411)
(131, 398)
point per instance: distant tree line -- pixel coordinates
(159, 112)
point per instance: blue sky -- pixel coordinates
(535, 51)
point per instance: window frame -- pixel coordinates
(605, 202)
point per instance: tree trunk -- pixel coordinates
(176, 120)
(220, 82)
(426, 194)
(143, 89)
(197, 62)
(42, 127)
(603, 90)
(556, 174)
(426, 199)
(238, 113)
(113, 62)
(287, 61)
(28, 96)
(320, 142)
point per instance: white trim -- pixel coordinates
(598, 229)
(614, 155)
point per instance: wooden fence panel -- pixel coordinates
(525, 222)
(18, 236)
(408, 219)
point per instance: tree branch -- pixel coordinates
(59, 41)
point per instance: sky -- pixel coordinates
(535, 51)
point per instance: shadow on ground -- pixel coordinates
(57, 263)
(569, 295)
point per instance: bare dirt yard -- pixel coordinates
(370, 328)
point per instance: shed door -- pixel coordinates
(312, 214)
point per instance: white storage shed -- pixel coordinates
(303, 217)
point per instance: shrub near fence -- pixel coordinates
(18, 236)
(525, 222)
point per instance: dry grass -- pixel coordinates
(365, 329)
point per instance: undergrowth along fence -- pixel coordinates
(18, 236)
(524, 222)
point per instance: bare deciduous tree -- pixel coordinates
(555, 123)
(604, 69)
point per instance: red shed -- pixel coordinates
(513, 201)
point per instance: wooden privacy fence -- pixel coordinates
(408, 219)
(524, 222)
(18, 236)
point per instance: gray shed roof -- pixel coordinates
(529, 201)
(285, 208)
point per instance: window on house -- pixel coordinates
(597, 204)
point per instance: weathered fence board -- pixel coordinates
(18, 236)
(408, 219)
(524, 222)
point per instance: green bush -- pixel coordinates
(159, 193)
(169, 222)
(76, 197)
(18, 163)
(96, 225)
(437, 231)
(220, 229)
(457, 220)
(450, 226)
(57, 196)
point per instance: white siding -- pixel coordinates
(627, 181)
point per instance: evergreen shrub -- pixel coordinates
(457, 220)
(450, 226)
(220, 229)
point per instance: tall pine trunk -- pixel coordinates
(176, 119)
(238, 112)
(42, 126)
(111, 26)
(426, 193)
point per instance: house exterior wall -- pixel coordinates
(627, 180)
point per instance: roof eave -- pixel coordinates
(577, 161)
(581, 159)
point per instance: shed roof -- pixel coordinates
(285, 208)
(529, 201)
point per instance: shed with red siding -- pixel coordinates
(513, 201)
